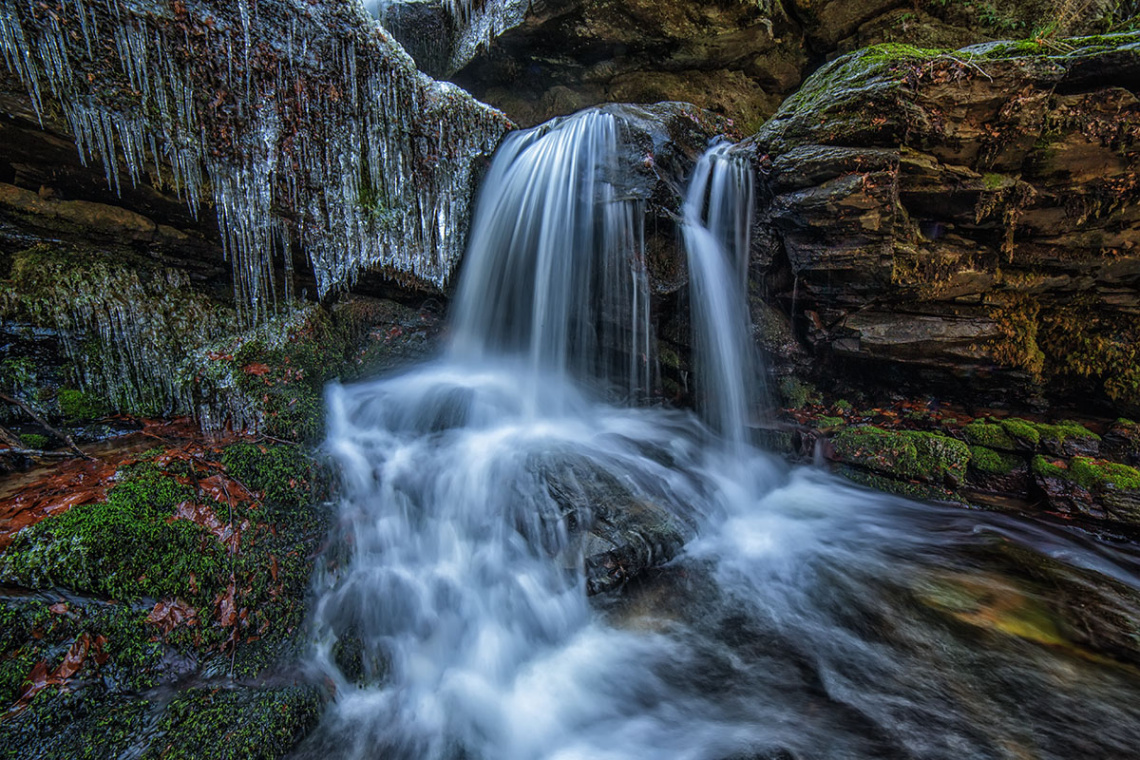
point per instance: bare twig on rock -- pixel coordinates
(44, 424)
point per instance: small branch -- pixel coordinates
(40, 454)
(44, 424)
(10, 438)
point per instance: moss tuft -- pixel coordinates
(1022, 430)
(988, 434)
(238, 724)
(992, 462)
(77, 406)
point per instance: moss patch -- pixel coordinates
(905, 454)
(1090, 474)
(990, 462)
(991, 435)
(77, 406)
(258, 724)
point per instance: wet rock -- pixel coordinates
(735, 58)
(908, 455)
(941, 221)
(1090, 487)
(622, 535)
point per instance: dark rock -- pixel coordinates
(947, 220)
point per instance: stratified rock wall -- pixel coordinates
(298, 123)
(740, 58)
(966, 221)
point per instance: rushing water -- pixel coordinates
(808, 618)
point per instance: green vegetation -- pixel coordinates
(1022, 430)
(77, 406)
(126, 548)
(991, 435)
(992, 462)
(1090, 474)
(906, 454)
(34, 440)
(797, 393)
(261, 724)
(61, 724)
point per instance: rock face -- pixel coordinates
(740, 58)
(733, 57)
(963, 223)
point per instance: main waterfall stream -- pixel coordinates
(805, 618)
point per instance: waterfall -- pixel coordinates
(806, 618)
(556, 263)
(717, 222)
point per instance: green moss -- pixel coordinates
(1064, 431)
(77, 406)
(905, 454)
(1091, 474)
(282, 474)
(991, 435)
(829, 423)
(1022, 430)
(126, 548)
(992, 462)
(260, 724)
(797, 393)
(994, 181)
(34, 440)
(843, 405)
(891, 52)
(61, 724)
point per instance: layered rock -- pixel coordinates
(737, 57)
(963, 222)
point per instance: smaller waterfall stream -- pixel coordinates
(717, 220)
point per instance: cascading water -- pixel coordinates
(716, 227)
(558, 271)
(808, 619)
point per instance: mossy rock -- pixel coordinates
(61, 724)
(921, 491)
(906, 454)
(236, 724)
(126, 548)
(990, 462)
(1023, 432)
(1092, 487)
(1069, 438)
(988, 434)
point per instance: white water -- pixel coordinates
(717, 221)
(794, 625)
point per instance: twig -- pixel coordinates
(38, 453)
(10, 438)
(44, 424)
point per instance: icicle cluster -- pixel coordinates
(298, 122)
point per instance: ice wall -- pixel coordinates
(300, 123)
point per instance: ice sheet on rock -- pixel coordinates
(302, 124)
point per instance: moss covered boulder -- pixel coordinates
(904, 454)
